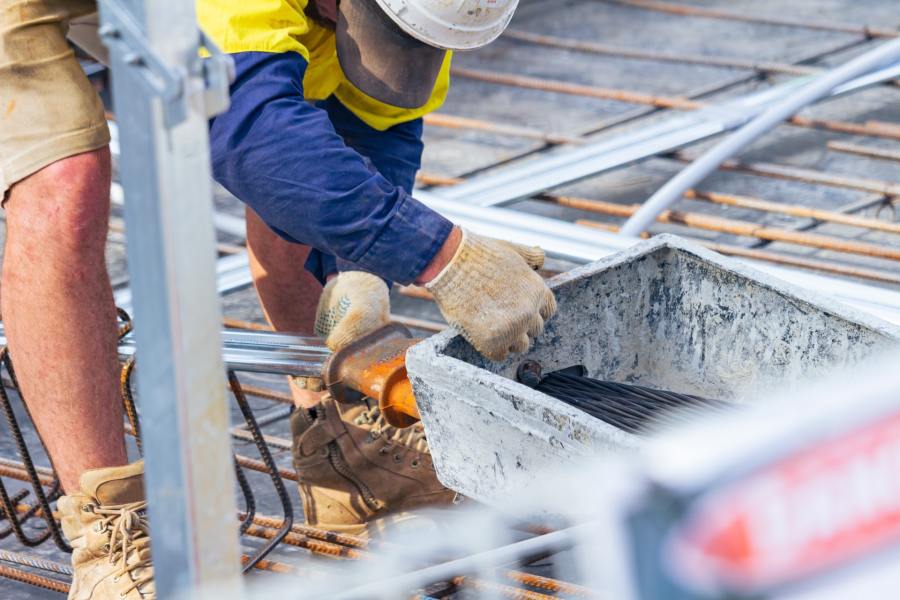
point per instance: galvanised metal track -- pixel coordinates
(257, 351)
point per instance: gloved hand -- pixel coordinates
(490, 293)
(353, 304)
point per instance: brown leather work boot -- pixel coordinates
(107, 528)
(356, 472)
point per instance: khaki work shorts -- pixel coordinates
(48, 108)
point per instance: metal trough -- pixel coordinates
(666, 314)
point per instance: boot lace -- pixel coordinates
(129, 543)
(412, 437)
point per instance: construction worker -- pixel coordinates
(322, 142)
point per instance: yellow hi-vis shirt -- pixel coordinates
(282, 26)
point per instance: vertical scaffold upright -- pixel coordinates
(164, 94)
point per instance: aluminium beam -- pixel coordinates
(524, 179)
(263, 352)
(163, 92)
(255, 351)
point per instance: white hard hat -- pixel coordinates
(451, 24)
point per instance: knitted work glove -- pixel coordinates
(490, 293)
(352, 305)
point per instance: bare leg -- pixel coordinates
(287, 292)
(59, 314)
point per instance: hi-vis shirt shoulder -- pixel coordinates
(282, 26)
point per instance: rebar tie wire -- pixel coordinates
(15, 500)
(8, 505)
(43, 498)
(125, 378)
(256, 435)
(277, 481)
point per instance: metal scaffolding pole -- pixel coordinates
(164, 94)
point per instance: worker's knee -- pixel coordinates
(64, 205)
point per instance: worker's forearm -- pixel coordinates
(282, 156)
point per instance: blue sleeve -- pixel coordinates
(395, 153)
(282, 156)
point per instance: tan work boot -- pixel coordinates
(107, 528)
(356, 472)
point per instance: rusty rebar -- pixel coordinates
(260, 467)
(313, 545)
(577, 89)
(22, 576)
(718, 13)
(242, 324)
(334, 537)
(268, 394)
(505, 591)
(793, 210)
(455, 122)
(865, 129)
(867, 151)
(884, 124)
(781, 259)
(805, 263)
(551, 585)
(736, 227)
(435, 179)
(267, 528)
(659, 56)
(272, 566)
(62, 587)
(16, 470)
(878, 186)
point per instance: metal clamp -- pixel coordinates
(175, 85)
(218, 75)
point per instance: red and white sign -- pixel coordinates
(826, 505)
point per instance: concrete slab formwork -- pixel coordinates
(666, 314)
